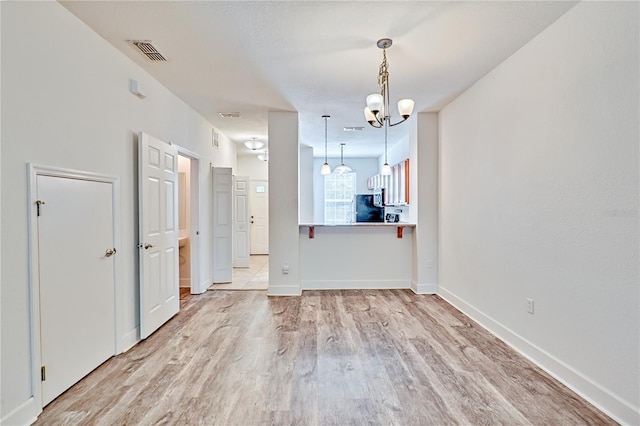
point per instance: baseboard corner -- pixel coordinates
(424, 288)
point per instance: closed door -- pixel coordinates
(241, 222)
(222, 225)
(76, 279)
(158, 228)
(259, 207)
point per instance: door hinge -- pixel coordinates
(43, 373)
(38, 204)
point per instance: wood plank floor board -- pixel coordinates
(350, 357)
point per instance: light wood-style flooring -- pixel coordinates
(326, 358)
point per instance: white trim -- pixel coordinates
(25, 414)
(205, 285)
(284, 291)
(424, 288)
(130, 339)
(194, 220)
(35, 170)
(604, 399)
(354, 284)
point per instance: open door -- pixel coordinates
(241, 222)
(158, 230)
(222, 225)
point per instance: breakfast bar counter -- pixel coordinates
(356, 256)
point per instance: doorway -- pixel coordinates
(188, 221)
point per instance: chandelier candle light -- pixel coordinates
(326, 168)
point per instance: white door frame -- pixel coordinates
(197, 287)
(35, 170)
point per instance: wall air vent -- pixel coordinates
(353, 129)
(229, 114)
(151, 52)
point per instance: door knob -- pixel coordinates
(147, 246)
(110, 252)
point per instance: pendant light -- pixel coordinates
(342, 168)
(386, 170)
(326, 168)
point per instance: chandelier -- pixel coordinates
(377, 109)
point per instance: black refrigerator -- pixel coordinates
(365, 211)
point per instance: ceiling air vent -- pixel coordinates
(151, 52)
(353, 128)
(229, 114)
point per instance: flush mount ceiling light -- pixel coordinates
(254, 144)
(342, 168)
(264, 156)
(377, 110)
(326, 168)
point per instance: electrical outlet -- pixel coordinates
(285, 267)
(530, 305)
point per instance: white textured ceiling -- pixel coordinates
(317, 57)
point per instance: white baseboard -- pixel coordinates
(354, 284)
(130, 339)
(424, 288)
(26, 414)
(601, 397)
(284, 291)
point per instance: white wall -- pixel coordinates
(305, 185)
(364, 169)
(283, 203)
(65, 103)
(539, 199)
(252, 166)
(423, 175)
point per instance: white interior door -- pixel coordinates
(259, 207)
(241, 222)
(76, 279)
(158, 227)
(222, 225)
